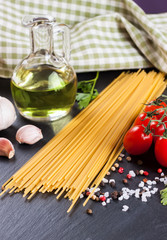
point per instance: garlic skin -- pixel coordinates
(7, 113)
(6, 148)
(29, 134)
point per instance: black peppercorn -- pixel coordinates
(140, 162)
(114, 195)
(102, 184)
(125, 181)
(120, 193)
(112, 184)
(137, 172)
(98, 194)
(119, 159)
(89, 211)
(128, 158)
(157, 180)
(97, 199)
(86, 193)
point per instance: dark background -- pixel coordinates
(153, 6)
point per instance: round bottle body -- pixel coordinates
(43, 92)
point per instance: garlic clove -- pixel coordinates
(7, 113)
(6, 148)
(29, 134)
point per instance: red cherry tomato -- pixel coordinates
(159, 113)
(142, 120)
(164, 119)
(136, 141)
(161, 151)
(152, 107)
(157, 129)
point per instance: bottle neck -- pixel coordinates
(41, 38)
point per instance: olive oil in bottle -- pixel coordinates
(44, 84)
(44, 92)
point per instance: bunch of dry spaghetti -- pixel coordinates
(80, 155)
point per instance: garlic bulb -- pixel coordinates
(7, 113)
(6, 148)
(29, 134)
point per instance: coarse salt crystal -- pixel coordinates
(143, 198)
(112, 180)
(120, 198)
(108, 200)
(161, 179)
(104, 203)
(146, 188)
(126, 196)
(125, 208)
(137, 196)
(124, 189)
(91, 189)
(156, 178)
(105, 180)
(131, 192)
(137, 190)
(137, 193)
(162, 174)
(155, 189)
(149, 186)
(141, 184)
(106, 194)
(132, 173)
(81, 196)
(127, 190)
(97, 190)
(154, 182)
(147, 194)
(149, 182)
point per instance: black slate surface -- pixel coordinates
(45, 218)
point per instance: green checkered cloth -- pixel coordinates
(105, 35)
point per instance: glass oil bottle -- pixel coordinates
(44, 85)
